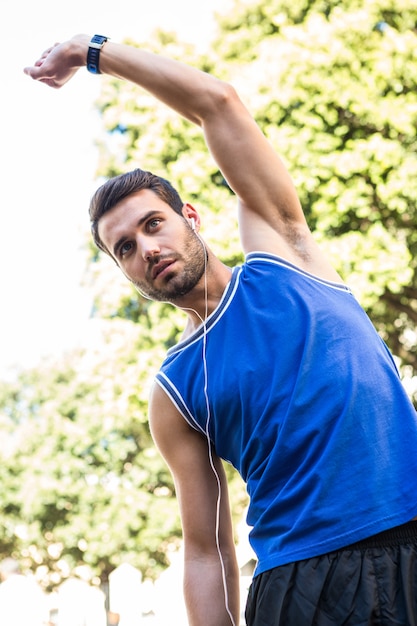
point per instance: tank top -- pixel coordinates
(304, 399)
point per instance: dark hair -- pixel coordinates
(119, 187)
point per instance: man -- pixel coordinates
(279, 372)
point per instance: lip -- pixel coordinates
(160, 268)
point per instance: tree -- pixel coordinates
(82, 482)
(333, 85)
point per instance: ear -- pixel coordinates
(190, 213)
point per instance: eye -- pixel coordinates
(125, 248)
(153, 223)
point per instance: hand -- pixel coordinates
(60, 62)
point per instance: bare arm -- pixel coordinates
(270, 215)
(211, 598)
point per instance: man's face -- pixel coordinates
(153, 246)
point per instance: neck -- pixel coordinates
(206, 295)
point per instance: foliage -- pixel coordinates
(333, 85)
(82, 482)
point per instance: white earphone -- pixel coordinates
(192, 222)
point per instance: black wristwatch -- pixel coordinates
(93, 54)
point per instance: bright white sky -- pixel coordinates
(49, 162)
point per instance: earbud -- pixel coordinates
(192, 222)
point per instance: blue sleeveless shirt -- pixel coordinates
(306, 402)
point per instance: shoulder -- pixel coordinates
(178, 442)
(163, 414)
(289, 239)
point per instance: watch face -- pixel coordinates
(99, 39)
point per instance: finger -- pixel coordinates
(49, 50)
(28, 70)
(43, 57)
(33, 71)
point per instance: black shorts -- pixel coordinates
(372, 582)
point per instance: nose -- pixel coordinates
(149, 247)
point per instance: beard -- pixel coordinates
(176, 285)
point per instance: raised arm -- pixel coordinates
(211, 592)
(270, 215)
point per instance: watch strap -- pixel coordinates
(93, 54)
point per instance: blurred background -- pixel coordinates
(85, 498)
